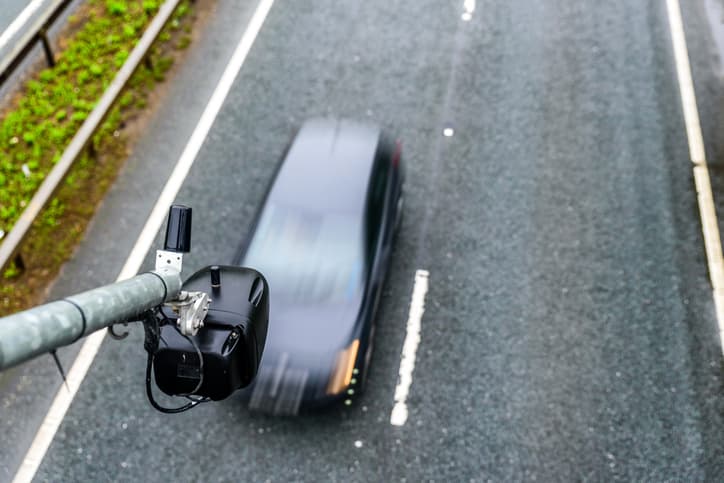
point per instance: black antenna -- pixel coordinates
(178, 229)
(54, 353)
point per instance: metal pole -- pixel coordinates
(36, 331)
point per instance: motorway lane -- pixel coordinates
(569, 330)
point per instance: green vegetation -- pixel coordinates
(41, 121)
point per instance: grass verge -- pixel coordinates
(45, 115)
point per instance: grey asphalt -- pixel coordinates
(569, 331)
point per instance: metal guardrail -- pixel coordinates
(11, 244)
(37, 32)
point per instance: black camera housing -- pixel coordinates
(231, 341)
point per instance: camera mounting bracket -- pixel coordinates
(191, 308)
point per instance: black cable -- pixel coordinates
(201, 363)
(151, 343)
(153, 402)
(198, 353)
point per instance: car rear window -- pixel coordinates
(308, 258)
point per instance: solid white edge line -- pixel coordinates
(398, 417)
(19, 22)
(92, 344)
(705, 198)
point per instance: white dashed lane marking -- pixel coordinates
(409, 349)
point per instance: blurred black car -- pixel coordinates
(323, 239)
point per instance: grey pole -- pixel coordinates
(38, 330)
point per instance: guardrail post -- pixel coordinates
(148, 62)
(43, 34)
(19, 262)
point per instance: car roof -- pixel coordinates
(327, 167)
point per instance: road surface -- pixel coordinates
(569, 331)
